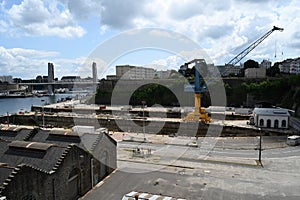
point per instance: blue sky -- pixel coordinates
(66, 32)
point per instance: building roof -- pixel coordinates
(39, 155)
(5, 171)
(13, 133)
(271, 111)
(86, 141)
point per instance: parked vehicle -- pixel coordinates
(293, 140)
(146, 196)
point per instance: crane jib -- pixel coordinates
(241, 55)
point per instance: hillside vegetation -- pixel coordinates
(282, 91)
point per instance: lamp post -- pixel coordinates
(259, 152)
(144, 102)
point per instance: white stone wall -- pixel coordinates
(265, 119)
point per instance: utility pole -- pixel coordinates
(144, 102)
(259, 152)
(7, 118)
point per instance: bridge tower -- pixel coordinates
(95, 76)
(50, 78)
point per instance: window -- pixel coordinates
(261, 122)
(283, 123)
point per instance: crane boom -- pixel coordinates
(241, 55)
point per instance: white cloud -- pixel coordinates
(171, 62)
(28, 63)
(37, 18)
(222, 28)
(82, 10)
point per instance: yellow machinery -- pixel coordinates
(199, 114)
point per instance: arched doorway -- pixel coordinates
(269, 123)
(276, 123)
(74, 184)
(283, 123)
(261, 122)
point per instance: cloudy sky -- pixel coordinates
(66, 32)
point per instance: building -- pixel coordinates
(111, 77)
(53, 164)
(266, 64)
(133, 72)
(295, 67)
(163, 74)
(271, 117)
(290, 66)
(255, 73)
(232, 70)
(44, 171)
(71, 79)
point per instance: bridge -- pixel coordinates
(51, 84)
(57, 85)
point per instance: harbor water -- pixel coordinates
(15, 105)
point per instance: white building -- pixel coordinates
(271, 117)
(265, 64)
(163, 74)
(290, 66)
(295, 67)
(134, 72)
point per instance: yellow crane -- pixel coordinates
(199, 113)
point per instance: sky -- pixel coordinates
(68, 32)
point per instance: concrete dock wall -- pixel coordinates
(167, 128)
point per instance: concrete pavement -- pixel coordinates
(174, 169)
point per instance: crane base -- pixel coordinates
(196, 116)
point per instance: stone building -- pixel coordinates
(255, 73)
(271, 118)
(134, 72)
(53, 164)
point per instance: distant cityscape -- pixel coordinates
(288, 66)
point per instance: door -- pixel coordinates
(269, 123)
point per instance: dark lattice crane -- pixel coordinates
(241, 55)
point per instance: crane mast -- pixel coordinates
(199, 112)
(241, 55)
